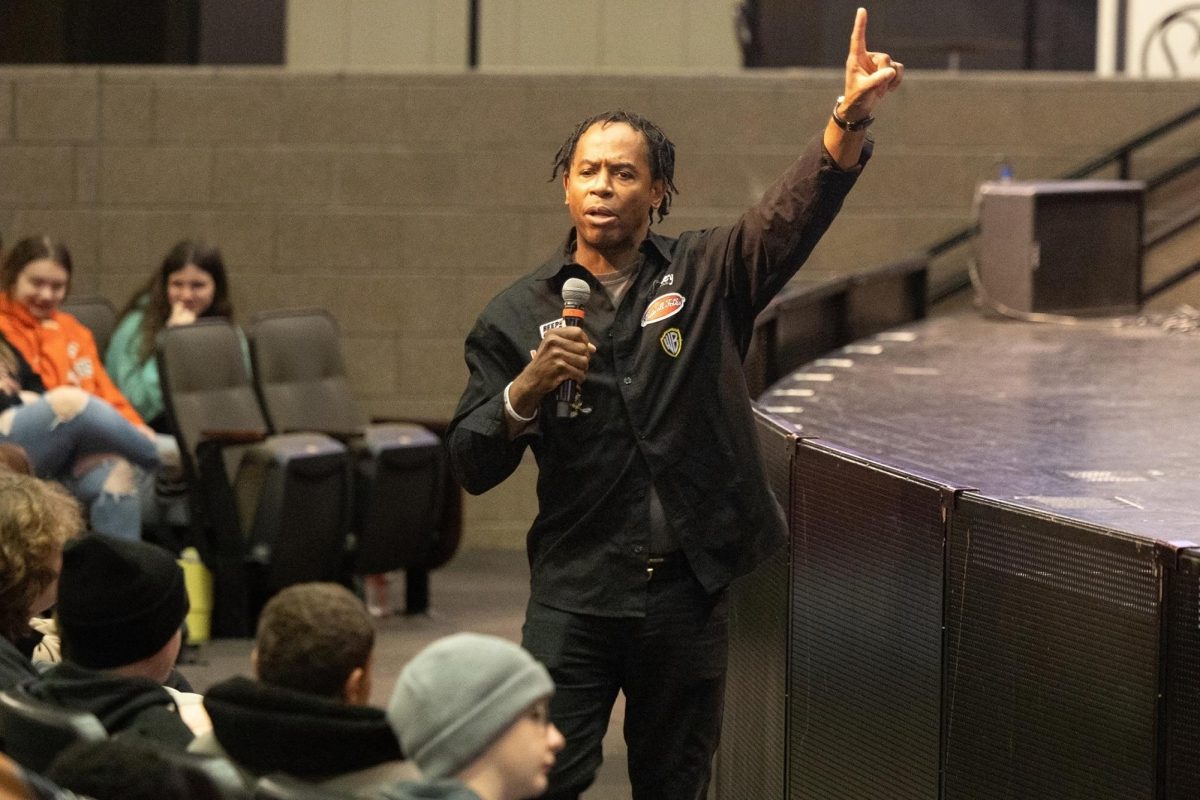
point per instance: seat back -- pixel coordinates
(284, 787)
(34, 732)
(206, 385)
(97, 314)
(218, 771)
(299, 371)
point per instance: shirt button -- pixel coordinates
(628, 380)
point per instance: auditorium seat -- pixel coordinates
(33, 732)
(402, 484)
(268, 510)
(96, 313)
(284, 787)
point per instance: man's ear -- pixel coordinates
(566, 189)
(356, 691)
(658, 190)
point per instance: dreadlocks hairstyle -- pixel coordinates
(660, 151)
(154, 293)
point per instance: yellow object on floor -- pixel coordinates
(197, 578)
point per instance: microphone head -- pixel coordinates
(575, 292)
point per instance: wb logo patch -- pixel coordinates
(672, 342)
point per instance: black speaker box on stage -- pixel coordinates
(1067, 247)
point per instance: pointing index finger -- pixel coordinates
(858, 37)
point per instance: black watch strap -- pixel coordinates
(847, 125)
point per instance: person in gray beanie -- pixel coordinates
(121, 605)
(473, 713)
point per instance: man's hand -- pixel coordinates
(869, 77)
(564, 354)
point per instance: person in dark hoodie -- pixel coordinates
(473, 712)
(121, 605)
(307, 714)
(37, 519)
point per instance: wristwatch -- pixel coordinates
(847, 125)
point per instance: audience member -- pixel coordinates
(36, 520)
(76, 438)
(307, 714)
(61, 353)
(33, 285)
(472, 712)
(120, 608)
(190, 284)
(112, 769)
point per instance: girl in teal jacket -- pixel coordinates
(191, 284)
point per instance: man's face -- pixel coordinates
(609, 190)
(526, 751)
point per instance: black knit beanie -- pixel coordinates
(118, 601)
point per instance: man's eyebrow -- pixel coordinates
(614, 164)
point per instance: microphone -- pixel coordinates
(575, 294)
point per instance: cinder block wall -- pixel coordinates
(402, 202)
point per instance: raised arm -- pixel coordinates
(869, 77)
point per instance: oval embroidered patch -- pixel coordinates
(668, 305)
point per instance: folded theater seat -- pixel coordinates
(406, 506)
(268, 510)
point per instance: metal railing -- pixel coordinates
(1122, 157)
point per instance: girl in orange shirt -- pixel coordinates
(33, 283)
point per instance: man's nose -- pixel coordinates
(603, 183)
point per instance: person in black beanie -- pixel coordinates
(121, 605)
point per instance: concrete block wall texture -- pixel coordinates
(402, 202)
(525, 34)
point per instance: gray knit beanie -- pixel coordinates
(458, 695)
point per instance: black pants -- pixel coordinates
(671, 666)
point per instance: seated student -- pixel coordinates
(76, 438)
(120, 608)
(60, 352)
(473, 712)
(306, 714)
(37, 519)
(190, 284)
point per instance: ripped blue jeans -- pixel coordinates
(83, 442)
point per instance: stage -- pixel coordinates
(992, 586)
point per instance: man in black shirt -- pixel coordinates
(651, 491)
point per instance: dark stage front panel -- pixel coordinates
(751, 761)
(1052, 657)
(1183, 682)
(866, 649)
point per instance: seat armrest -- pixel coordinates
(232, 436)
(345, 437)
(438, 426)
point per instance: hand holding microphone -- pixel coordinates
(561, 359)
(575, 294)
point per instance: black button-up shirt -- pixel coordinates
(664, 404)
